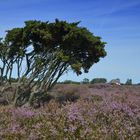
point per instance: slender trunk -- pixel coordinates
(18, 69)
(2, 72)
(31, 98)
(10, 75)
(16, 96)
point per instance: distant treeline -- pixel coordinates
(87, 81)
(97, 81)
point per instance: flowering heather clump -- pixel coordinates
(22, 112)
(107, 119)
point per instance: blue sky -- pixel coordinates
(116, 21)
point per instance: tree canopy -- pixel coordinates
(98, 80)
(43, 51)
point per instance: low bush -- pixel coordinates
(67, 96)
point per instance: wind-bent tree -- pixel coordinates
(41, 52)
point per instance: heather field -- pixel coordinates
(77, 112)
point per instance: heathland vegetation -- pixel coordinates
(35, 106)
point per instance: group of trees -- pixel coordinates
(39, 53)
(129, 82)
(96, 81)
(85, 81)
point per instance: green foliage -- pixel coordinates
(75, 45)
(98, 80)
(15, 43)
(70, 82)
(128, 82)
(85, 81)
